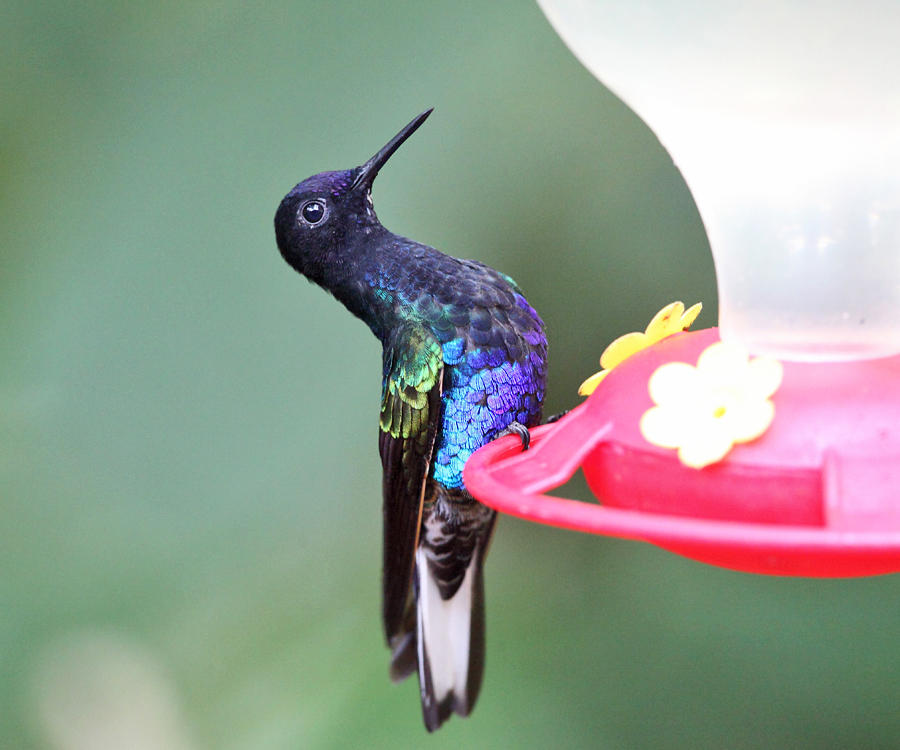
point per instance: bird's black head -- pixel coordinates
(318, 221)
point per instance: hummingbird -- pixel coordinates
(464, 361)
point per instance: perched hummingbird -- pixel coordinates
(464, 360)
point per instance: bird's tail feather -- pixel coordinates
(449, 641)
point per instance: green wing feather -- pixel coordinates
(410, 417)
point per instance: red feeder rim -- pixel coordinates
(818, 494)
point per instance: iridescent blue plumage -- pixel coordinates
(492, 342)
(464, 358)
(488, 392)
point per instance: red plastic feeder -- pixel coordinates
(818, 494)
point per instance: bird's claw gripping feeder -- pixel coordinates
(771, 444)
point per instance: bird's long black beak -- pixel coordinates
(368, 170)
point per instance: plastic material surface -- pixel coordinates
(817, 495)
(783, 116)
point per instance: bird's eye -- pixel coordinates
(313, 212)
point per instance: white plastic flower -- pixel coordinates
(704, 410)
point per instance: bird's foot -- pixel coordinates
(517, 428)
(556, 417)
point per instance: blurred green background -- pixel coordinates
(190, 534)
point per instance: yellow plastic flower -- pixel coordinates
(671, 319)
(704, 410)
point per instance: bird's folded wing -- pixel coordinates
(410, 417)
